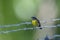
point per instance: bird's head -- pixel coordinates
(33, 17)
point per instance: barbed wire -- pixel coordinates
(15, 25)
(51, 20)
(8, 31)
(18, 24)
(56, 36)
(51, 37)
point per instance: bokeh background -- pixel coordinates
(17, 11)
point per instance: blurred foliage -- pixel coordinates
(17, 11)
(58, 14)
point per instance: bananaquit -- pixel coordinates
(35, 22)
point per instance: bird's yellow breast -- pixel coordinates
(34, 22)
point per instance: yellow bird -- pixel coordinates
(35, 22)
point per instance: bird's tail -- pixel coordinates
(40, 26)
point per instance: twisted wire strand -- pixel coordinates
(56, 36)
(51, 37)
(14, 25)
(18, 24)
(8, 31)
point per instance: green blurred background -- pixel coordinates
(8, 11)
(17, 11)
(58, 15)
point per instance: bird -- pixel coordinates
(36, 22)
